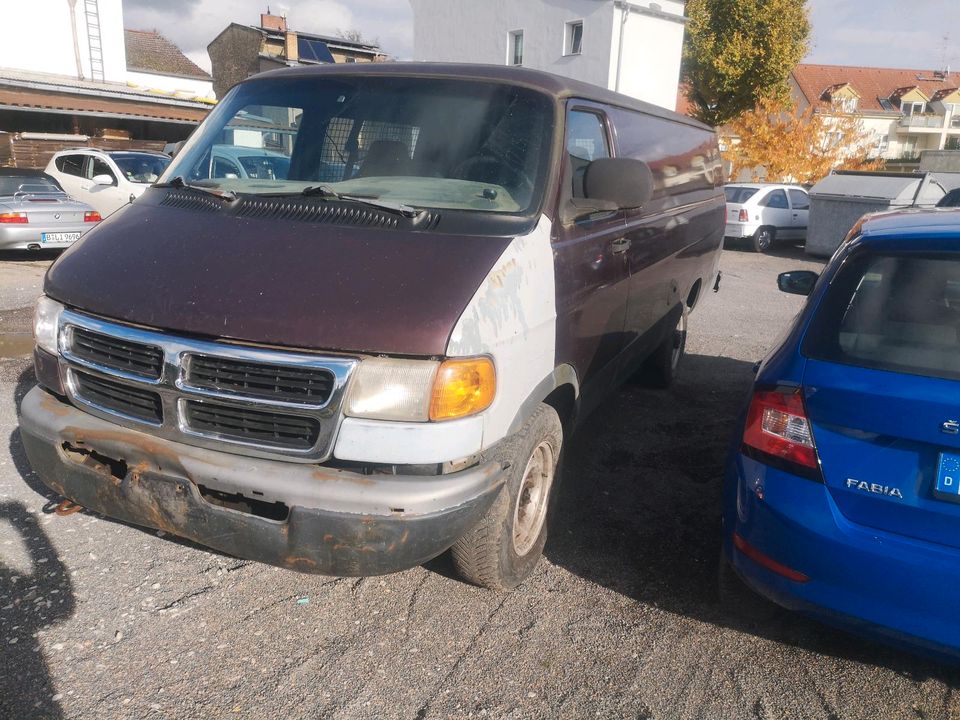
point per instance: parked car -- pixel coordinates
(841, 496)
(107, 180)
(35, 212)
(355, 376)
(235, 161)
(764, 214)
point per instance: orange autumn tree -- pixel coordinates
(796, 147)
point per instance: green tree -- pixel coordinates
(738, 52)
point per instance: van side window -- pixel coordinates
(800, 200)
(70, 164)
(776, 199)
(586, 142)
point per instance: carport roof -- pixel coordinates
(897, 189)
(48, 94)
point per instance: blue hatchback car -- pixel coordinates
(842, 493)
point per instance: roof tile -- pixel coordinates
(873, 84)
(149, 51)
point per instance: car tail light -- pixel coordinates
(92, 216)
(14, 217)
(744, 216)
(778, 433)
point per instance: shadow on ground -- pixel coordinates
(28, 255)
(30, 600)
(790, 249)
(639, 509)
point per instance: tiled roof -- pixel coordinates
(149, 51)
(872, 84)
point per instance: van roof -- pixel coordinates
(556, 85)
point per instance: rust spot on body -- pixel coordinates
(53, 406)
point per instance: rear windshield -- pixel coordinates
(898, 313)
(739, 195)
(423, 142)
(12, 184)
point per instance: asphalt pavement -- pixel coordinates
(99, 619)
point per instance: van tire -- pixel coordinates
(660, 369)
(488, 554)
(764, 238)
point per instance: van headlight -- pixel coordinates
(46, 324)
(421, 390)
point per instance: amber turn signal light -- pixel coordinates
(463, 387)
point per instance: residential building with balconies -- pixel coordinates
(903, 112)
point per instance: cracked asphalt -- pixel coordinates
(103, 620)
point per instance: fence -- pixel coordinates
(34, 150)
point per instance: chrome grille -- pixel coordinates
(249, 400)
(246, 425)
(311, 386)
(114, 353)
(141, 405)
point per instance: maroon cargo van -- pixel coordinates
(353, 324)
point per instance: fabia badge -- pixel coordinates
(875, 488)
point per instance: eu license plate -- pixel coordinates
(59, 237)
(948, 475)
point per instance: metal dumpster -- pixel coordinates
(839, 200)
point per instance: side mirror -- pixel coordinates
(623, 182)
(103, 180)
(797, 282)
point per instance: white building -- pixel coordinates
(904, 112)
(84, 40)
(631, 47)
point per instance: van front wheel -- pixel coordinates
(506, 545)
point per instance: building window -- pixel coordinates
(913, 108)
(573, 38)
(515, 46)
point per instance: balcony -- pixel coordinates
(923, 122)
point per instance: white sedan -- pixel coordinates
(766, 213)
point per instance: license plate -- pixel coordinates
(62, 237)
(948, 476)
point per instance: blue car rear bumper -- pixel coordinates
(887, 586)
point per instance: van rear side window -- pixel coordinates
(897, 313)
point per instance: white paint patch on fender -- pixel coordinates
(512, 317)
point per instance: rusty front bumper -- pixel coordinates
(338, 522)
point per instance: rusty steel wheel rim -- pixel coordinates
(530, 509)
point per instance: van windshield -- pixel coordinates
(422, 142)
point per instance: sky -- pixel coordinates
(920, 34)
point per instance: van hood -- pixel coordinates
(274, 282)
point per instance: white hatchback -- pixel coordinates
(766, 213)
(106, 180)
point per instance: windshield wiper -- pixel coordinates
(322, 191)
(179, 183)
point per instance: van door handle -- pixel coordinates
(620, 245)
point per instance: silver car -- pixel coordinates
(36, 213)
